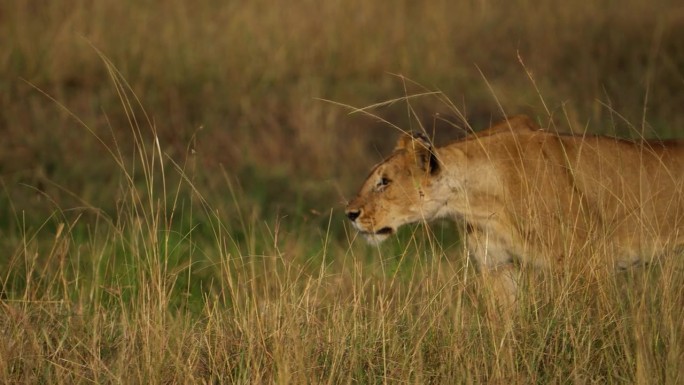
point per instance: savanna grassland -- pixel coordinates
(174, 175)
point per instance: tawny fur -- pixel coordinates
(532, 196)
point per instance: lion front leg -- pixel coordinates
(496, 266)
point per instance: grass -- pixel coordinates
(171, 208)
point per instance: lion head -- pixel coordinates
(398, 191)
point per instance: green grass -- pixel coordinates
(173, 184)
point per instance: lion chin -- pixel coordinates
(377, 237)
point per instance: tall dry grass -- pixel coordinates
(201, 242)
(162, 293)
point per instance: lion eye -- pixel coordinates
(383, 182)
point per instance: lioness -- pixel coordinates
(531, 196)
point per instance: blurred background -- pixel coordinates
(248, 97)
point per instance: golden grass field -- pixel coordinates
(174, 176)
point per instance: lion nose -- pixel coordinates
(353, 214)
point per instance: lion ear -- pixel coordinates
(419, 147)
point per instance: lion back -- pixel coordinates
(626, 195)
